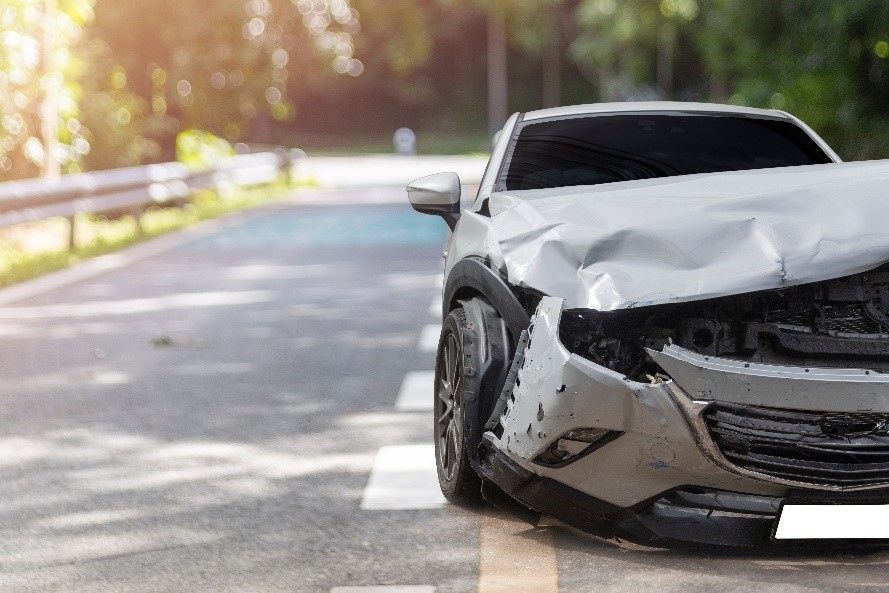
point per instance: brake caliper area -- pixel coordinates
(563, 406)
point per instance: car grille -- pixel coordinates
(836, 449)
(850, 319)
(839, 318)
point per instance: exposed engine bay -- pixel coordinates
(834, 324)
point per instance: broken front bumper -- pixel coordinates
(665, 465)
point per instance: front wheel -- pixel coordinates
(459, 482)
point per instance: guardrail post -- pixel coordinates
(131, 190)
(136, 213)
(72, 234)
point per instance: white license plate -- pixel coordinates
(833, 521)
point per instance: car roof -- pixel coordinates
(636, 106)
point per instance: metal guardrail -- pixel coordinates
(133, 189)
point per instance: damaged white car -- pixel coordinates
(668, 321)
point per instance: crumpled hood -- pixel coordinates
(638, 243)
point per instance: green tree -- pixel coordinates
(629, 48)
(39, 92)
(532, 25)
(827, 62)
(224, 66)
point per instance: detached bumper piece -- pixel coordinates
(710, 517)
(550, 497)
(837, 449)
(693, 515)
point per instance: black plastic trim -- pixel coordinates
(594, 446)
(549, 496)
(472, 273)
(678, 517)
(449, 212)
(486, 357)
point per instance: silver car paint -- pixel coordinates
(492, 172)
(558, 391)
(476, 239)
(665, 443)
(437, 190)
(638, 243)
(776, 386)
(648, 106)
(738, 232)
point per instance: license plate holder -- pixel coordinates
(831, 520)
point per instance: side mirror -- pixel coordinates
(437, 194)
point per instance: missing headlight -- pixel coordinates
(575, 444)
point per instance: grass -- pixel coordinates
(33, 249)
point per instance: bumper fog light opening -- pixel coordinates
(574, 445)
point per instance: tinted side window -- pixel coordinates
(608, 148)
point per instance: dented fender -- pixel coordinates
(557, 391)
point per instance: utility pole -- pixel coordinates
(49, 114)
(551, 62)
(498, 97)
(666, 51)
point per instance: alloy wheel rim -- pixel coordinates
(449, 430)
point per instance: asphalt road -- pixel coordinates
(208, 420)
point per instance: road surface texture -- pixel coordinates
(248, 410)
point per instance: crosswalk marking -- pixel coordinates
(416, 391)
(385, 589)
(428, 341)
(403, 478)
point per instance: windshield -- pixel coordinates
(608, 148)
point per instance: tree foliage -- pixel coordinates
(125, 76)
(225, 65)
(128, 75)
(824, 60)
(26, 75)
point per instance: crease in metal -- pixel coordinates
(638, 243)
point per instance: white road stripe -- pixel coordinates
(416, 392)
(435, 307)
(185, 300)
(403, 478)
(428, 341)
(385, 589)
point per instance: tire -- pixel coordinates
(459, 482)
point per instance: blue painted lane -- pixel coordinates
(330, 227)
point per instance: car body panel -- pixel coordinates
(787, 387)
(492, 172)
(626, 249)
(476, 238)
(640, 243)
(559, 391)
(636, 106)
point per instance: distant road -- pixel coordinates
(248, 410)
(385, 170)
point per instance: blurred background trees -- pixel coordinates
(89, 84)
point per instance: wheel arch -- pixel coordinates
(472, 278)
(495, 319)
